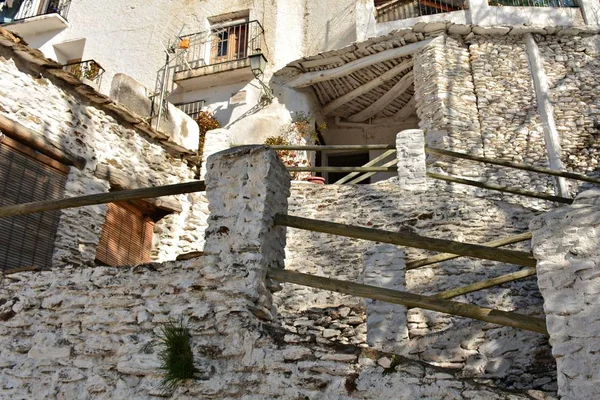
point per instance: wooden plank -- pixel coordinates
(525, 167)
(400, 87)
(28, 151)
(446, 256)
(336, 147)
(499, 188)
(408, 239)
(370, 174)
(102, 198)
(121, 181)
(320, 62)
(406, 111)
(310, 78)
(474, 287)
(372, 84)
(369, 164)
(38, 142)
(503, 318)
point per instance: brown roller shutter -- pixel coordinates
(26, 176)
(126, 236)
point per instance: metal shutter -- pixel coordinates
(26, 176)
(126, 236)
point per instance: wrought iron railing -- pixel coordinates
(89, 70)
(219, 45)
(404, 9)
(534, 3)
(22, 9)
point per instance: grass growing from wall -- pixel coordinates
(177, 359)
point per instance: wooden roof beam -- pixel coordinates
(400, 87)
(359, 91)
(310, 78)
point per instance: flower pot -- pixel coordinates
(316, 179)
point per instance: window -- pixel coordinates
(26, 176)
(229, 43)
(127, 234)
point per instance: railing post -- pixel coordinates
(412, 170)
(245, 186)
(387, 328)
(566, 244)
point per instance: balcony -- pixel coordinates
(31, 17)
(89, 72)
(218, 57)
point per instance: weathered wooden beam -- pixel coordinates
(335, 147)
(370, 174)
(503, 318)
(446, 256)
(34, 154)
(408, 239)
(121, 181)
(38, 142)
(406, 111)
(474, 287)
(310, 78)
(342, 169)
(369, 164)
(102, 198)
(372, 84)
(499, 188)
(525, 167)
(400, 87)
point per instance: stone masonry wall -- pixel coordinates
(60, 114)
(512, 358)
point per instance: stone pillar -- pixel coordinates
(479, 11)
(245, 186)
(566, 244)
(214, 141)
(590, 9)
(387, 328)
(412, 170)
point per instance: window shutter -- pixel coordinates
(126, 236)
(26, 176)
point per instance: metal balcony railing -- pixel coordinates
(219, 45)
(22, 9)
(534, 3)
(403, 9)
(89, 70)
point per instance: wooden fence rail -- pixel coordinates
(410, 240)
(504, 318)
(102, 198)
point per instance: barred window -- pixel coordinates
(27, 176)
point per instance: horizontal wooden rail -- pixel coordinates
(371, 163)
(447, 256)
(488, 283)
(504, 318)
(520, 192)
(335, 147)
(525, 167)
(408, 239)
(362, 177)
(342, 169)
(102, 198)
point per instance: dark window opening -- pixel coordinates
(346, 160)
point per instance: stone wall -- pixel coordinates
(512, 358)
(58, 112)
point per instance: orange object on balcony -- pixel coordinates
(184, 44)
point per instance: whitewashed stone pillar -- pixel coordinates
(387, 328)
(591, 11)
(214, 141)
(566, 244)
(245, 186)
(412, 170)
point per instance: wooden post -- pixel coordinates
(407, 239)
(101, 198)
(504, 318)
(38, 142)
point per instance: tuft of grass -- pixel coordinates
(392, 368)
(176, 356)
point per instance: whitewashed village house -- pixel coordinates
(101, 107)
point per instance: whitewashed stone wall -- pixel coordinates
(511, 358)
(566, 244)
(59, 113)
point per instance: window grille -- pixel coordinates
(26, 176)
(192, 108)
(126, 236)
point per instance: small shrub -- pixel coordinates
(206, 121)
(176, 356)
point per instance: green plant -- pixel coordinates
(177, 359)
(289, 158)
(302, 124)
(393, 364)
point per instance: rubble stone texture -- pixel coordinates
(566, 244)
(412, 169)
(61, 115)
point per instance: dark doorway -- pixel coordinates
(346, 160)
